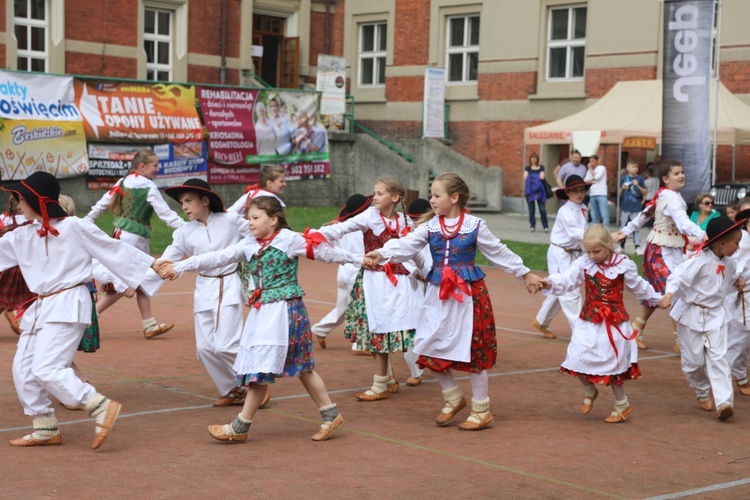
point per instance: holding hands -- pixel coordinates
(665, 302)
(165, 269)
(372, 259)
(534, 283)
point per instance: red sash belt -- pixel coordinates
(451, 281)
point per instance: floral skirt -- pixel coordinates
(357, 330)
(13, 289)
(299, 358)
(483, 337)
(655, 270)
(632, 373)
(90, 340)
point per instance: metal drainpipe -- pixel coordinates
(223, 44)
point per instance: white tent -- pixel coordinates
(633, 109)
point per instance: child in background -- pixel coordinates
(601, 349)
(564, 249)
(276, 340)
(347, 273)
(456, 324)
(55, 254)
(271, 182)
(738, 306)
(13, 290)
(632, 192)
(700, 284)
(652, 186)
(383, 308)
(731, 208)
(134, 199)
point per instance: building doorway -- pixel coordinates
(279, 66)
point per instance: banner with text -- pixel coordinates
(138, 113)
(688, 26)
(331, 83)
(249, 127)
(177, 163)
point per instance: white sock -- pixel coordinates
(379, 384)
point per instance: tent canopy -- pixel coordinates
(633, 109)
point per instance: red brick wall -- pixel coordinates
(735, 75)
(411, 33)
(601, 81)
(85, 20)
(506, 86)
(77, 63)
(404, 88)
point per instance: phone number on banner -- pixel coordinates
(317, 170)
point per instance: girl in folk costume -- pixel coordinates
(601, 349)
(700, 285)
(271, 182)
(666, 243)
(738, 305)
(456, 324)
(13, 290)
(134, 199)
(276, 341)
(347, 273)
(383, 308)
(55, 256)
(218, 294)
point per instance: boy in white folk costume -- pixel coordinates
(738, 304)
(53, 325)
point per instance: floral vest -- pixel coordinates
(275, 275)
(459, 252)
(136, 213)
(604, 299)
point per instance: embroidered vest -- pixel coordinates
(461, 252)
(376, 242)
(276, 275)
(664, 232)
(604, 298)
(136, 212)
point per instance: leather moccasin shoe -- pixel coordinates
(640, 343)
(357, 352)
(744, 387)
(113, 411)
(235, 396)
(706, 404)
(588, 403)
(393, 386)
(321, 342)
(619, 416)
(444, 418)
(225, 433)
(544, 330)
(725, 412)
(470, 425)
(11, 317)
(372, 396)
(328, 428)
(157, 329)
(28, 440)
(413, 381)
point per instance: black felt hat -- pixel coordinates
(719, 227)
(572, 182)
(40, 191)
(418, 208)
(356, 203)
(201, 187)
(742, 216)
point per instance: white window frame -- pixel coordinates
(158, 39)
(375, 54)
(29, 23)
(568, 44)
(465, 50)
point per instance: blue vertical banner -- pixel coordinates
(688, 35)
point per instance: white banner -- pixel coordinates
(331, 83)
(26, 96)
(433, 118)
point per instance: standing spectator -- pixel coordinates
(572, 167)
(704, 204)
(533, 181)
(632, 192)
(652, 185)
(731, 209)
(597, 177)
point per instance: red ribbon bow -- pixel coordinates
(610, 323)
(254, 299)
(313, 240)
(388, 268)
(253, 187)
(116, 189)
(449, 282)
(720, 270)
(583, 211)
(406, 231)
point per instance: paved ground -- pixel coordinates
(540, 446)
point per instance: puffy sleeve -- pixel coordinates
(8, 257)
(676, 211)
(568, 280)
(212, 260)
(162, 210)
(335, 232)
(499, 254)
(638, 286)
(104, 275)
(324, 252)
(407, 247)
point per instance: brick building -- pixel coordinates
(510, 63)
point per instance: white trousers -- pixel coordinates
(559, 260)
(411, 362)
(702, 358)
(738, 345)
(217, 349)
(41, 367)
(334, 318)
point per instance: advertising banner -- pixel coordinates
(177, 163)
(40, 127)
(688, 26)
(138, 113)
(247, 128)
(433, 119)
(331, 83)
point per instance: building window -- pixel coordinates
(157, 41)
(566, 42)
(462, 51)
(372, 43)
(31, 23)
